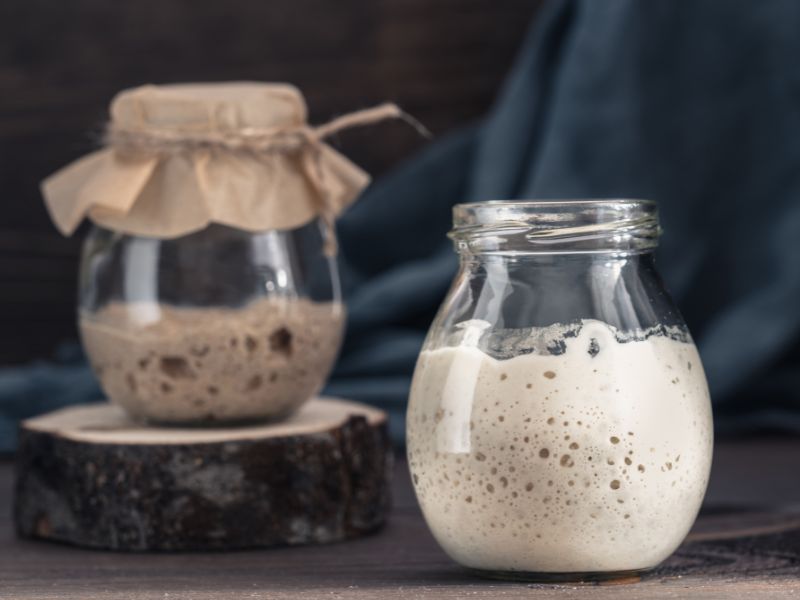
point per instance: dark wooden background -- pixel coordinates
(61, 61)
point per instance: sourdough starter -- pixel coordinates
(213, 364)
(590, 456)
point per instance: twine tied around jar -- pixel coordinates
(180, 157)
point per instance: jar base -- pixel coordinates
(616, 577)
(217, 422)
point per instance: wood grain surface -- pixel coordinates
(746, 544)
(62, 61)
(90, 476)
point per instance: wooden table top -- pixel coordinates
(747, 542)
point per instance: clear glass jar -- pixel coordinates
(559, 425)
(221, 325)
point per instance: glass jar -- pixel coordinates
(221, 325)
(559, 424)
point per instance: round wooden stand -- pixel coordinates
(90, 476)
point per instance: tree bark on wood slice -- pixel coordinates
(90, 476)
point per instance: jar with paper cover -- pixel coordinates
(208, 285)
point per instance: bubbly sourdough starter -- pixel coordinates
(213, 364)
(594, 459)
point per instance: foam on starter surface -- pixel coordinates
(592, 456)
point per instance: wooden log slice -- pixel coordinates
(90, 476)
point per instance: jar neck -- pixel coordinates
(538, 290)
(470, 259)
(516, 229)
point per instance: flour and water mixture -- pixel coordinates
(588, 452)
(213, 364)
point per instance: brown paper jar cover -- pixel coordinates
(180, 157)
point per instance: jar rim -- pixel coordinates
(556, 201)
(558, 225)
